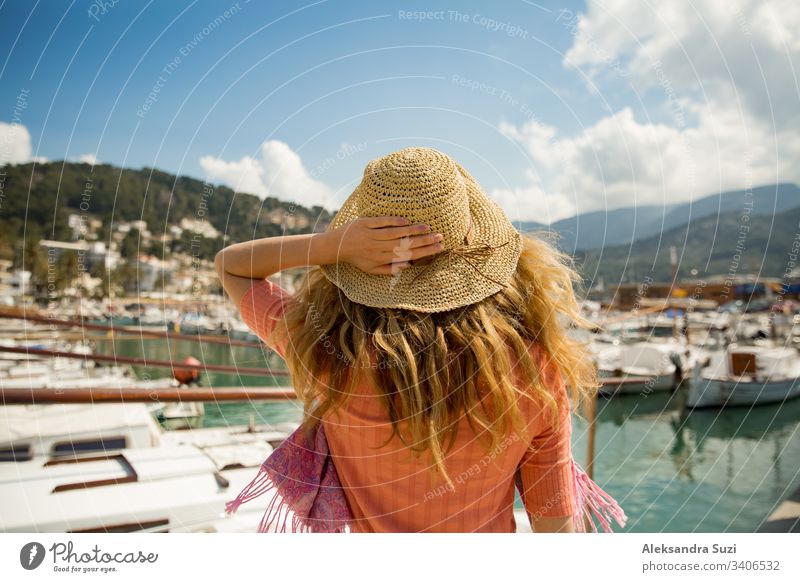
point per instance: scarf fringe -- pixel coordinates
(260, 484)
(593, 503)
(278, 511)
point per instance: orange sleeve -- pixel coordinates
(545, 471)
(261, 307)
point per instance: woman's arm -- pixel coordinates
(545, 475)
(376, 245)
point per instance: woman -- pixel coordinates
(428, 344)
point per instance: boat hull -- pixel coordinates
(709, 392)
(652, 383)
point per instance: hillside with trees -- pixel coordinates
(713, 245)
(38, 201)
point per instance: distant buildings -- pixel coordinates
(90, 253)
(201, 227)
(13, 284)
(709, 292)
(83, 227)
(152, 272)
(179, 273)
(287, 219)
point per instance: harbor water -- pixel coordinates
(714, 470)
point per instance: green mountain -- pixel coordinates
(732, 242)
(604, 228)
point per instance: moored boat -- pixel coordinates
(660, 365)
(746, 376)
(84, 468)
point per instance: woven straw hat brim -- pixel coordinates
(449, 283)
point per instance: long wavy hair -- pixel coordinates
(428, 368)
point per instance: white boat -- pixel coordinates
(745, 376)
(173, 411)
(153, 315)
(660, 364)
(195, 322)
(606, 355)
(110, 467)
(68, 373)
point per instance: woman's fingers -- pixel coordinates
(397, 232)
(423, 240)
(401, 258)
(394, 244)
(384, 221)
(425, 251)
(412, 246)
(388, 247)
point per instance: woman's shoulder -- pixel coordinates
(539, 355)
(548, 369)
(265, 293)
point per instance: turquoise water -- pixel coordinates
(702, 471)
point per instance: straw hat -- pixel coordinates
(424, 185)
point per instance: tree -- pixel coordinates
(35, 260)
(129, 247)
(125, 277)
(66, 270)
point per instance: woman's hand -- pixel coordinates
(383, 245)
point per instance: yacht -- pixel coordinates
(112, 468)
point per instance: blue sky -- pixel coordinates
(556, 108)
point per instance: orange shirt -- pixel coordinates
(389, 490)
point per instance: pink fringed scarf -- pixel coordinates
(308, 497)
(591, 502)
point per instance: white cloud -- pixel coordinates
(15, 143)
(724, 74)
(738, 50)
(277, 172)
(533, 201)
(243, 176)
(619, 161)
(89, 159)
